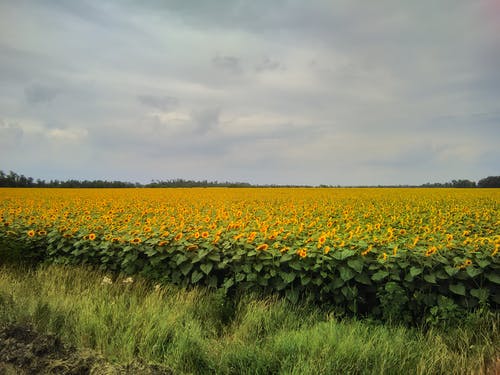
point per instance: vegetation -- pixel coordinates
(489, 182)
(12, 179)
(198, 331)
(411, 254)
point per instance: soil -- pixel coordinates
(23, 351)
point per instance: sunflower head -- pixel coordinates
(262, 247)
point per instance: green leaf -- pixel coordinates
(458, 289)
(481, 294)
(228, 283)
(292, 295)
(296, 265)
(196, 276)
(305, 279)
(356, 264)
(186, 268)
(199, 256)
(212, 282)
(415, 271)
(151, 251)
(206, 268)
(431, 278)
(180, 258)
(493, 277)
(363, 279)
(377, 276)
(451, 271)
(473, 271)
(349, 292)
(258, 267)
(483, 263)
(346, 273)
(288, 277)
(496, 298)
(336, 283)
(286, 258)
(214, 257)
(342, 254)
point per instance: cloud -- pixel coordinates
(67, 135)
(40, 94)
(206, 119)
(268, 64)
(271, 92)
(228, 64)
(10, 134)
(163, 103)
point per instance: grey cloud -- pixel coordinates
(382, 77)
(40, 94)
(206, 119)
(229, 64)
(268, 64)
(162, 103)
(10, 133)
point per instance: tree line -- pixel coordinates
(13, 179)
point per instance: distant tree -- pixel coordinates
(463, 184)
(489, 182)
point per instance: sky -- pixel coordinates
(266, 92)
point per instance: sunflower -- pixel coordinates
(430, 251)
(136, 241)
(31, 233)
(302, 253)
(367, 250)
(262, 247)
(178, 236)
(92, 236)
(204, 234)
(251, 237)
(327, 249)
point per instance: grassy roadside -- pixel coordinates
(196, 331)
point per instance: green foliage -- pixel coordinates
(400, 288)
(200, 331)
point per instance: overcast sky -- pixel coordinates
(287, 92)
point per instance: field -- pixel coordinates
(252, 280)
(390, 253)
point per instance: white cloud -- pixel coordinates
(67, 135)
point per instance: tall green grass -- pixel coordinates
(201, 332)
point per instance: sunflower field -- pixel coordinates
(377, 251)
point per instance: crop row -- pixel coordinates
(379, 251)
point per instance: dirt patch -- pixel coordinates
(25, 351)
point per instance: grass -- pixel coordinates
(200, 332)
